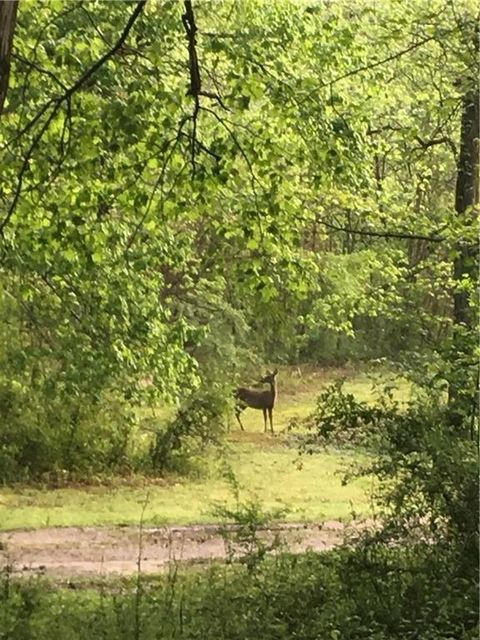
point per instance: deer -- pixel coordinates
(258, 399)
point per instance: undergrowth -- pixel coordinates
(367, 593)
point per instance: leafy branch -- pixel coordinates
(368, 67)
(57, 104)
(195, 90)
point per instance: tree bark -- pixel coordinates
(463, 390)
(466, 202)
(8, 19)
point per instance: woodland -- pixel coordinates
(196, 195)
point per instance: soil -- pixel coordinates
(96, 551)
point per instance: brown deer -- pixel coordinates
(257, 399)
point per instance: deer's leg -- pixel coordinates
(238, 411)
(229, 421)
(270, 415)
(264, 420)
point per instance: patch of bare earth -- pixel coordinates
(94, 551)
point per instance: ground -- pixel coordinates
(73, 552)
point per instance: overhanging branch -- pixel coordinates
(380, 234)
(58, 102)
(195, 89)
(368, 66)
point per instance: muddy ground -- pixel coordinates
(93, 551)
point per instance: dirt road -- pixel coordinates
(89, 551)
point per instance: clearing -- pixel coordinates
(85, 530)
(267, 469)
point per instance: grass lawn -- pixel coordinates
(265, 468)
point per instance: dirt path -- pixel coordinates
(90, 551)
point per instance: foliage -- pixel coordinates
(244, 524)
(426, 464)
(58, 436)
(149, 233)
(339, 418)
(198, 423)
(385, 594)
(426, 467)
(165, 225)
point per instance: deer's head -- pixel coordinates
(270, 377)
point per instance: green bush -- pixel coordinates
(198, 423)
(340, 419)
(361, 594)
(53, 435)
(427, 465)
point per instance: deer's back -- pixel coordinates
(255, 399)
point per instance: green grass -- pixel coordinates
(265, 468)
(265, 471)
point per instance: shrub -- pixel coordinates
(367, 593)
(198, 423)
(54, 435)
(340, 419)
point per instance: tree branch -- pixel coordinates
(426, 144)
(367, 67)
(195, 90)
(188, 19)
(380, 234)
(159, 181)
(58, 102)
(40, 69)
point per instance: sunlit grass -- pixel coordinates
(265, 471)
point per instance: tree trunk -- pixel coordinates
(463, 391)
(466, 201)
(8, 18)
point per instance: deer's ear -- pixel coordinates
(274, 372)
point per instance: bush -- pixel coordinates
(426, 465)
(198, 423)
(52, 435)
(361, 594)
(340, 419)
(242, 531)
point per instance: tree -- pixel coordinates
(8, 16)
